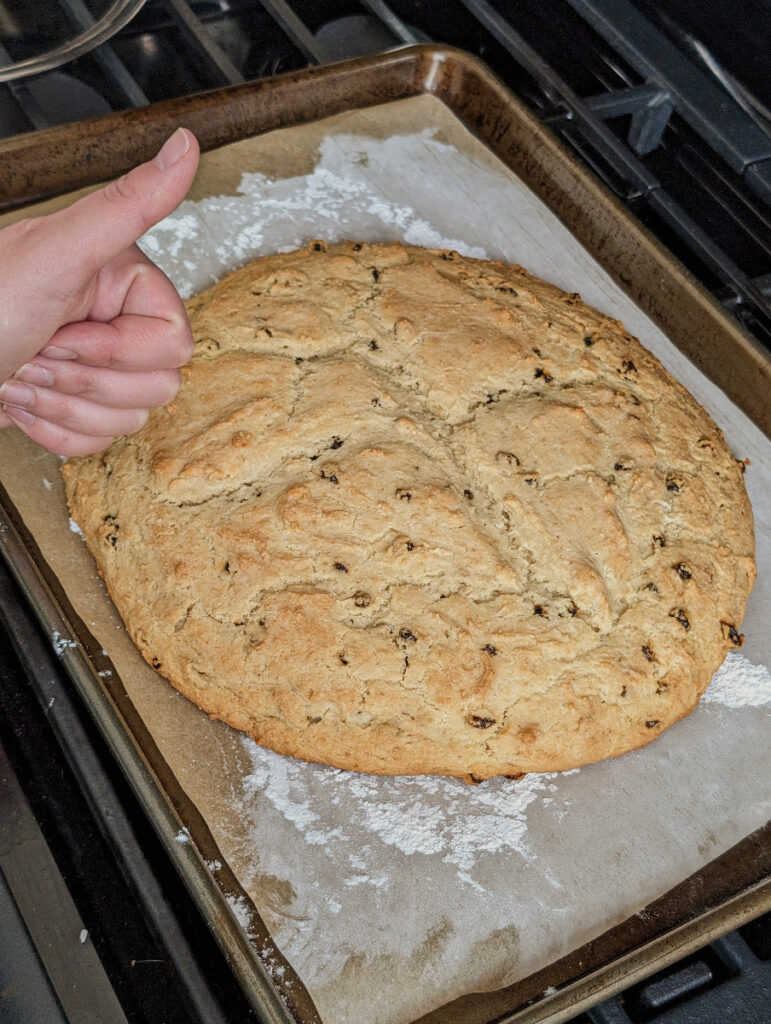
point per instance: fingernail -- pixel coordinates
(173, 149)
(58, 353)
(20, 416)
(14, 393)
(33, 374)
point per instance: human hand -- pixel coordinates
(92, 333)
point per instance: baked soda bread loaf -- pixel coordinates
(413, 513)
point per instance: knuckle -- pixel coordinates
(104, 348)
(88, 382)
(62, 408)
(77, 379)
(121, 189)
(66, 441)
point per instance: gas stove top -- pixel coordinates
(668, 103)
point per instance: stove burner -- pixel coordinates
(356, 35)
(55, 98)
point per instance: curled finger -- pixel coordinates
(56, 439)
(118, 388)
(70, 412)
(130, 342)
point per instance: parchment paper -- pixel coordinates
(390, 897)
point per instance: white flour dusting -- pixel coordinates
(204, 240)
(240, 908)
(738, 683)
(267, 953)
(425, 815)
(428, 815)
(62, 643)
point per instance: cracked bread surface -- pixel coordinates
(413, 512)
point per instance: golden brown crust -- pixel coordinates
(413, 512)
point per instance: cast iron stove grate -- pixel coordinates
(675, 121)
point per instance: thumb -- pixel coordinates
(106, 222)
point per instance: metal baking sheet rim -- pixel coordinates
(38, 165)
(688, 314)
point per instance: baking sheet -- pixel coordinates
(425, 889)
